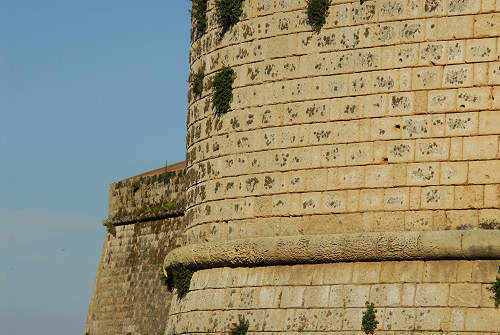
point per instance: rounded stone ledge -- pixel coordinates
(381, 246)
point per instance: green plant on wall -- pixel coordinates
(369, 322)
(199, 15)
(110, 227)
(197, 82)
(228, 12)
(317, 12)
(166, 175)
(180, 279)
(222, 85)
(495, 289)
(241, 328)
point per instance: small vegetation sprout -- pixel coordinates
(228, 12)
(317, 12)
(369, 322)
(241, 328)
(495, 289)
(222, 85)
(199, 15)
(197, 82)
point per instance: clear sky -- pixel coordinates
(91, 92)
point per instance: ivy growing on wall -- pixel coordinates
(369, 322)
(495, 289)
(317, 12)
(197, 82)
(199, 15)
(241, 328)
(228, 12)
(222, 85)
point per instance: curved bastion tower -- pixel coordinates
(358, 164)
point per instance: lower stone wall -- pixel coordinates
(130, 295)
(422, 297)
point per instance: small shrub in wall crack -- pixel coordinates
(369, 322)
(495, 289)
(181, 279)
(317, 12)
(222, 84)
(197, 82)
(199, 14)
(228, 12)
(241, 328)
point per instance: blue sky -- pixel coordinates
(91, 92)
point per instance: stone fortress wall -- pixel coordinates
(385, 123)
(382, 129)
(130, 294)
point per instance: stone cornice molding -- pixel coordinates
(306, 249)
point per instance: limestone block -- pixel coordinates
(433, 53)
(375, 105)
(419, 221)
(427, 77)
(397, 199)
(336, 273)
(433, 8)
(453, 173)
(456, 51)
(435, 149)
(348, 177)
(489, 218)
(487, 6)
(385, 33)
(437, 197)
(413, 31)
(480, 147)
(465, 295)
(406, 55)
(442, 100)
(274, 319)
(352, 319)
(487, 25)
(489, 122)
(446, 27)
(340, 15)
(371, 199)
(470, 196)
(361, 83)
(457, 75)
(461, 124)
(334, 202)
(456, 7)
(330, 319)
(379, 176)
(494, 73)
(401, 151)
(480, 74)
(334, 86)
(423, 173)
(383, 221)
(461, 219)
(399, 319)
(316, 296)
(480, 50)
(292, 296)
(492, 196)
(482, 319)
(474, 98)
(432, 295)
(392, 10)
(366, 272)
(386, 294)
(484, 172)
